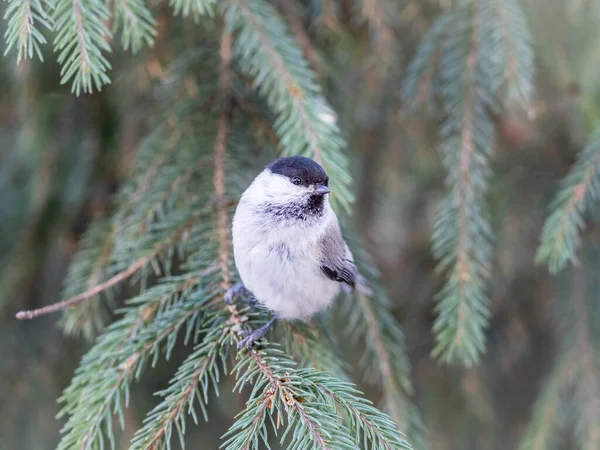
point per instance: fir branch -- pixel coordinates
(196, 7)
(462, 234)
(588, 385)
(97, 389)
(172, 236)
(377, 14)
(305, 123)
(541, 430)
(305, 342)
(220, 152)
(376, 426)
(421, 70)
(138, 27)
(189, 386)
(23, 17)
(81, 39)
(277, 387)
(89, 268)
(384, 359)
(579, 191)
(505, 42)
(153, 154)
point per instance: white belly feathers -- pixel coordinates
(281, 265)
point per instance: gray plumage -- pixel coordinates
(287, 241)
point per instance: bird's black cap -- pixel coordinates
(298, 166)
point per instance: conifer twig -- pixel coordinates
(130, 271)
(220, 151)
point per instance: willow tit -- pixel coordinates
(287, 243)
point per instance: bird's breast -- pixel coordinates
(281, 267)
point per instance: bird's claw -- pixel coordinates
(250, 337)
(234, 292)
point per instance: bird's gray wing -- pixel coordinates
(337, 262)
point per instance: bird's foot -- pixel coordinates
(250, 337)
(235, 291)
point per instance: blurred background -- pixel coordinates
(62, 158)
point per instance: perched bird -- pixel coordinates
(287, 243)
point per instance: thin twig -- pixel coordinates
(220, 152)
(130, 271)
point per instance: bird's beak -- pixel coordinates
(321, 189)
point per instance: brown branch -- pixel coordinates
(465, 188)
(83, 53)
(220, 152)
(130, 271)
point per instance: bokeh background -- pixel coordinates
(63, 157)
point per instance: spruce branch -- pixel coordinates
(137, 25)
(305, 124)
(419, 78)
(588, 386)
(542, 428)
(101, 383)
(378, 428)
(461, 232)
(82, 37)
(277, 388)
(384, 359)
(505, 41)
(219, 159)
(378, 14)
(481, 48)
(305, 342)
(89, 268)
(196, 7)
(189, 386)
(578, 193)
(22, 31)
(150, 255)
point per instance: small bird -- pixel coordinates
(288, 245)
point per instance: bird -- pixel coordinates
(288, 245)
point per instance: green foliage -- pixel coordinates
(90, 267)
(305, 123)
(483, 49)
(384, 359)
(574, 382)
(23, 33)
(279, 390)
(168, 219)
(579, 191)
(190, 385)
(82, 43)
(149, 326)
(136, 23)
(195, 7)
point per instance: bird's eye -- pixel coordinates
(297, 181)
